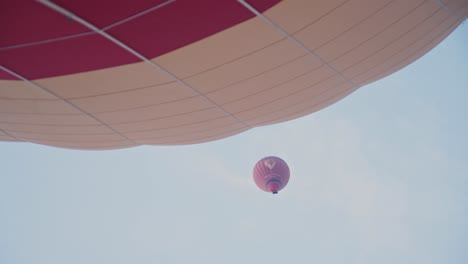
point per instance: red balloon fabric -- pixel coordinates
(271, 174)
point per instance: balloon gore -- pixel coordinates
(271, 174)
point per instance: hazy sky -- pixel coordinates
(379, 177)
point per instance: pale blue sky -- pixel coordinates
(379, 177)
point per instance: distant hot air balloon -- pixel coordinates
(271, 174)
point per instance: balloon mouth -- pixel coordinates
(273, 186)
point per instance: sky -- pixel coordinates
(379, 177)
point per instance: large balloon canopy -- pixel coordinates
(114, 74)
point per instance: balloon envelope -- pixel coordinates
(271, 174)
(113, 74)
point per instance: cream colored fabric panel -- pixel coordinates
(57, 130)
(47, 119)
(105, 81)
(391, 51)
(7, 138)
(266, 80)
(294, 15)
(69, 138)
(387, 38)
(22, 90)
(221, 134)
(197, 137)
(268, 58)
(464, 12)
(221, 48)
(183, 130)
(310, 81)
(462, 8)
(20, 106)
(87, 144)
(367, 29)
(155, 124)
(407, 52)
(414, 56)
(456, 6)
(340, 20)
(279, 104)
(148, 96)
(304, 108)
(156, 111)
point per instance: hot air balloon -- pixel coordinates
(113, 74)
(271, 174)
